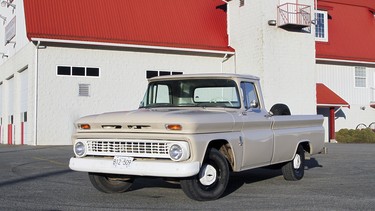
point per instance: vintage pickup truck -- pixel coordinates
(194, 129)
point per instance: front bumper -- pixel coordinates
(156, 168)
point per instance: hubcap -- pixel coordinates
(207, 175)
(297, 161)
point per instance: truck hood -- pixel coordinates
(198, 120)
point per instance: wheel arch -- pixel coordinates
(306, 145)
(225, 148)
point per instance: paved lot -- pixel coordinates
(38, 178)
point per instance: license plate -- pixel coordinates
(122, 162)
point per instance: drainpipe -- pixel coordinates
(36, 95)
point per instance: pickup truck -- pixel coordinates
(194, 129)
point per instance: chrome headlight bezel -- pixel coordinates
(80, 149)
(179, 151)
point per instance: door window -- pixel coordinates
(251, 99)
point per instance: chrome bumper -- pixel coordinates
(155, 168)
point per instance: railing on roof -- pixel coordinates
(294, 16)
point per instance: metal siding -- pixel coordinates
(340, 79)
(193, 24)
(351, 31)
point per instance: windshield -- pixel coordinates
(192, 93)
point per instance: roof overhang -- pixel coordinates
(120, 45)
(325, 97)
(320, 60)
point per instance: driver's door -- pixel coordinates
(256, 129)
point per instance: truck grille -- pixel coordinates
(133, 148)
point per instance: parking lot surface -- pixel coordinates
(38, 178)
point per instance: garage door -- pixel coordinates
(23, 104)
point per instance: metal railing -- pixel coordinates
(294, 15)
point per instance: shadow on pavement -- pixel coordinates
(34, 177)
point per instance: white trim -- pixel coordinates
(344, 61)
(130, 46)
(332, 105)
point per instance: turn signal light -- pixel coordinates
(173, 127)
(85, 126)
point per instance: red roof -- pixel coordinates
(351, 30)
(192, 24)
(325, 97)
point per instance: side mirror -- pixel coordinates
(254, 104)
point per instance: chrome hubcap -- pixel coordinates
(207, 175)
(297, 161)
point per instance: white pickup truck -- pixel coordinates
(195, 129)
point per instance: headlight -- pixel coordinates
(175, 152)
(179, 152)
(80, 149)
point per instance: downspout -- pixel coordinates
(36, 95)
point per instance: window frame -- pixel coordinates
(360, 77)
(76, 75)
(325, 29)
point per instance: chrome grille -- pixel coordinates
(134, 148)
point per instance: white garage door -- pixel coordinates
(23, 104)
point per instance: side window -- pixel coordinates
(250, 95)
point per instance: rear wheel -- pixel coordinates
(294, 169)
(212, 179)
(110, 183)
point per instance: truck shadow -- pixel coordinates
(238, 179)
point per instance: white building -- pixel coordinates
(65, 59)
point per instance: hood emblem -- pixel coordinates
(111, 126)
(138, 127)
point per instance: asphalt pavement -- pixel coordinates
(38, 178)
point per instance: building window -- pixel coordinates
(154, 73)
(78, 71)
(360, 77)
(63, 70)
(92, 71)
(242, 3)
(321, 27)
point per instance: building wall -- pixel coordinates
(284, 60)
(16, 78)
(341, 79)
(121, 84)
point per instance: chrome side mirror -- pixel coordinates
(254, 104)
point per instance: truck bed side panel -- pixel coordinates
(289, 131)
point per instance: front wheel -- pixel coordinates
(212, 179)
(110, 183)
(294, 169)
